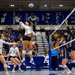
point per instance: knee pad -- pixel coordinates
(73, 61)
(14, 66)
(5, 65)
(30, 52)
(23, 52)
(64, 66)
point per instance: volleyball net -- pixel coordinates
(50, 39)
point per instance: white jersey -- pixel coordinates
(13, 51)
(1, 44)
(28, 29)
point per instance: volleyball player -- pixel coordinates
(72, 47)
(65, 59)
(13, 53)
(27, 43)
(2, 38)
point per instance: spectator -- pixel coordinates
(55, 36)
(10, 28)
(47, 35)
(35, 46)
(6, 29)
(21, 31)
(72, 28)
(3, 32)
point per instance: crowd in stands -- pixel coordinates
(16, 36)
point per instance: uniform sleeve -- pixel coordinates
(21, 25)
(4, 42)
(8, 43)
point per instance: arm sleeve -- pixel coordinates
(69, 31)
(21, 25)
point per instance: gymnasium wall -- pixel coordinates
(55, 17)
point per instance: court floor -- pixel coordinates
(59, 73)
(35, 72)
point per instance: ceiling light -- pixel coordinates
(60, 5)
(11, 5)
(45, 5)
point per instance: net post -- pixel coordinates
(50, 47)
